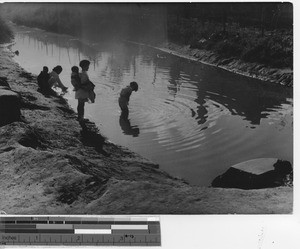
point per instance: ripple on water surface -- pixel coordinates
(194, 120)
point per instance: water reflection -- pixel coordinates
(50, 42)
(127, 128)
(174, 78)
(194, 120)
(242, 96)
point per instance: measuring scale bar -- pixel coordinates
(79, 231)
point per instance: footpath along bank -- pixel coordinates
(48, 165)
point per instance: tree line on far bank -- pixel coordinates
(254, 32)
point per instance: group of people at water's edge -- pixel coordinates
(83, 87)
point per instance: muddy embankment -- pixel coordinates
(50, 165)
(283, 76)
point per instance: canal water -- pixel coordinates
(194, 120)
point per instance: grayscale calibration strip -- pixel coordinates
(63, 230)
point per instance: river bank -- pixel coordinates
(49, 166)
(254, 70)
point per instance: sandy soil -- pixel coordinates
(49, 166)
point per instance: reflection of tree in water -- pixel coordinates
(174, 77)
(127, 128)
(176, 68)
(242, 96)
(174, 65)
(44, 40)
(120, 60)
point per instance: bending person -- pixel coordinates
(125, 96)
(54, 80)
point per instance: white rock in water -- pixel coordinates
(256, 166)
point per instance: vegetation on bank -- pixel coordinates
(275, 49)
(260, 32)
(5, 33)
(253, 32)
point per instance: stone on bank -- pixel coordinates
(9, 106)
(255, 174)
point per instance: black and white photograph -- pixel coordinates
(147, 108)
